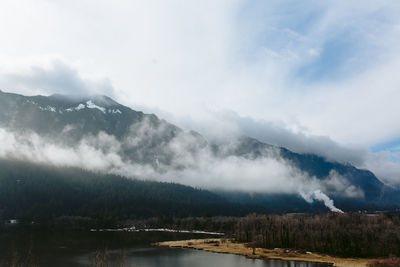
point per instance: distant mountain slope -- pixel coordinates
(38, 192)
(146, 139)
(69, 119)
(317, 166)
(51, 116)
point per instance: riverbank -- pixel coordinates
(165, 230)
(220, 245)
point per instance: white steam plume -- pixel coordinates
(320, 196)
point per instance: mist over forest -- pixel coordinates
(98, 135)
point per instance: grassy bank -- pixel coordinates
(228, 246)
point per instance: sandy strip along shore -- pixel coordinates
(220, 245)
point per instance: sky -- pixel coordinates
(314, 76)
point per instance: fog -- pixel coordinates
(183, 158)
(321, 80)
(223, 124)
(217, 124)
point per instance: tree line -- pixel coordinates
(354, 234)
(347, 235)
(47, 194)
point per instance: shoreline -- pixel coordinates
(167, 230)
(220, 245)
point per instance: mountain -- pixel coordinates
(38, 192)
(142, 146)
(51, 116)
(317, 166)
(375, 194)
(68, 119)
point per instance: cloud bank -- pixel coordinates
(220, 126)
(323, 65)
(181, 160)
(315, 77)
(56, 77)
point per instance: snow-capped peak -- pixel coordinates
(79, 107)
(90, 104)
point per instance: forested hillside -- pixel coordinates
(36, 192)
(97, 134)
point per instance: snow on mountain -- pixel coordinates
(90, 104)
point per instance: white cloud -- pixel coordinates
(384, 166)
(57, 77)
(313, 52)
(223, 126)
(188, 57)
(180, 160)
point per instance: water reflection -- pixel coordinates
(194, 258)
(116, 249)
(175, 257)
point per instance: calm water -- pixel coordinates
(118, 249)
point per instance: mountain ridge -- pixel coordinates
(50, 116)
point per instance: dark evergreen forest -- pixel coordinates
(39, 193)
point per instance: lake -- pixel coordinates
(117, 249)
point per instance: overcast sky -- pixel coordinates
(314, 76)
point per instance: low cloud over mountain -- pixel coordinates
(100, 135)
